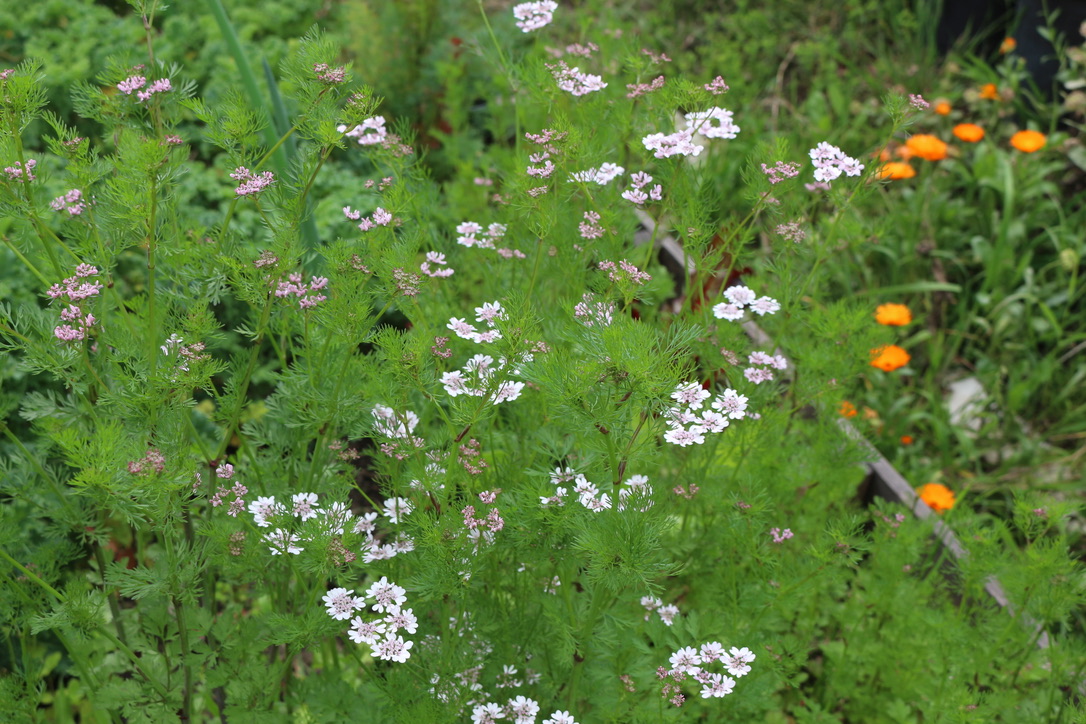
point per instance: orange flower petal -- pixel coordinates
(889, 358)
(896, 170)
(927, 147)
(969, 132)
(938, 496)
(1028, 141)
(893, 315)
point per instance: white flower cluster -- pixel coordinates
(534, 15)
(636, 487)
(602, 175)
(490, 314)
(380, 634)
(573, 81)
(519, 710)
(680, 143)
(369, 132)
(830, 162)
(590, 312)
(332, 520)
(688, 427)
(636, 193)
(739, 298)
(713, 123)
(691, 662)
(476, 377)
(391, 424)
(666, 613)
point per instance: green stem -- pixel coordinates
(152, 333)
(26, 262)
(112, 596)
(243, 388)
(32, 576)
(182, 628)
(505, 69)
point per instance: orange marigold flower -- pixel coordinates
(889, 358)
(896, 170)
(904, 152)
(847, 409)
(927, 147)
(938, 496)
(989, 92)
(893, 315)
(969, 132)
(942, 108)
(906, 439)
(1028, 141)
(1008, 45)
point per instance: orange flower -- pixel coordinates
(847, 409)
(896, 170)
(893, 315)
(969, 132)
(927, 147)
(938, 496)
(889, 358)
(989, 92)
(1028, 141)
(904, 153)
(1008, 45)
(906, 439)
(942, 108)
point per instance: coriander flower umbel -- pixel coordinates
(686, 660)
(680, 143)
(560, 717)
(737, 660)
(523, 710)
(365, 632)
(392, 648)
(830, 162)
(691, 394)
(341, 604)
(386, 595)
(249, 183)
(534, 15)
(717, 685)
(702, 122)
(376, 127)
(573, 81)
(486, 713)
(305, 505)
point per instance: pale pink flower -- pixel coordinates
(534, 15)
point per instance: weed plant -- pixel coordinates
(442, 443)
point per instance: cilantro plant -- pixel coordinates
(512, 443)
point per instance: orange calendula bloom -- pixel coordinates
(927, 147)
(893, 315)
(989, 92)
(1008, 45)
(969, 132)
(1028, 141)
(942, 108)
(906, 439)
(938, 496)
(847, 409)
(889, 358)
(896, 170)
